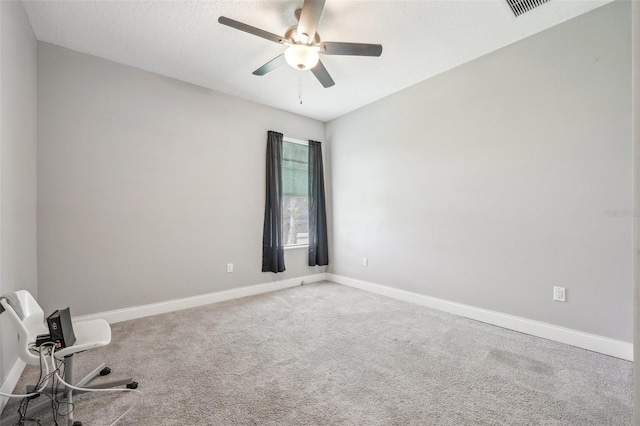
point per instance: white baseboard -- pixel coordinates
(142, 311)
(10, 382)
(592, 342)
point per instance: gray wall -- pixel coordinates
(148, 186)
(490, 184)
(18, 264)
(636, 203)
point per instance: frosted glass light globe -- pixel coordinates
(301, 57)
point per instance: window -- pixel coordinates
(295, 212)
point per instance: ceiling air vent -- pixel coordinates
(518, 7)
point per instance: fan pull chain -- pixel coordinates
(300, 90)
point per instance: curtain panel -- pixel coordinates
(318, 241)
(272, 248)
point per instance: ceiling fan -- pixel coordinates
(304, 45)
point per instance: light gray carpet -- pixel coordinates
(325, 354)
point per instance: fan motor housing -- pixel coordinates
(292, 32)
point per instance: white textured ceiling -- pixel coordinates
(183, 40)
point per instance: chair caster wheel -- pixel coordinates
(105, 371)
(132, 385)
(77, 424)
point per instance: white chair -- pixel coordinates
(89, 335)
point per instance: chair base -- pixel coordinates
(42, 402)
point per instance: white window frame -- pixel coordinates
(298, 141)
(305, 143)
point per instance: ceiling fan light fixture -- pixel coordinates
(301, 57)
(303, 43)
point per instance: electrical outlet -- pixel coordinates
(229, 267)
(559, 294)
(365, 261)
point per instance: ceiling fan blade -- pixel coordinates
(322, 75)
(309, 17)
(249, 29)
(270, 66)
(354, 49)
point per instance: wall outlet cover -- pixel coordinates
(559, 294)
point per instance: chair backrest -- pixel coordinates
(29, 327)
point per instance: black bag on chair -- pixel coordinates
(61, 329)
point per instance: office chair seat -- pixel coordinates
(89, 335)
(28, 318)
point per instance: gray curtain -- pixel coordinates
(318, 243)
(272, 249)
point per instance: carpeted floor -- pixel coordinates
(326, 354)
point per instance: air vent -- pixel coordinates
(518, 7)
